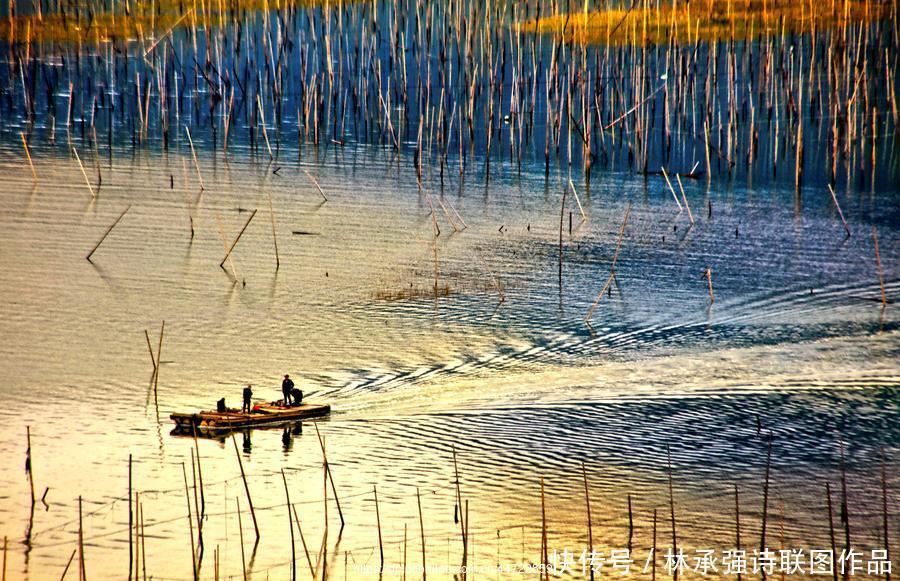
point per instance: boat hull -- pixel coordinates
(264, 415)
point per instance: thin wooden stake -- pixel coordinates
(330, 476)
(587, 501)
(578, 201)
(884, 515)
(28, 155)
(233, 244)
(150, 348)
(312, 570)
(66, 570)
(187, 497)
(130, 522)
(105, 234)
(29, 463)
(315, 183)
(84, 173)
(765, 512)
(241, 531)
(630, 525)
(878, 265)
(737, 523)
(671, 189)
(422, 530)
(194, 156)
(82, 574)
(562, 212)
(684, 197)
(831, 528)
(708, 275)
(274, 236)
(653, 550)
(545, 559)
(246, 486)
(615, 259)
(287, 497)
(838, 206)
(162, 331)
(672, 507)
(378, 522)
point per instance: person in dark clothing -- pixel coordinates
(248, 393)
(220, 405)
(297, 396)
(286, 386)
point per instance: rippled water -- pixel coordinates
(796, 345)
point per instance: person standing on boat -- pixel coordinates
(248, 393)
(286, 386)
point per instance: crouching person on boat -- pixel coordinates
(248, 393)
(297, 397)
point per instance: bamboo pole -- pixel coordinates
(615, 259)
(82, 570)
(143, 546)
(84, 173)
(462, 522)
(241, 532)
(5, 542)
(671, 189)
(845, 509)
(29, 463)
(422, 531)
(737, 524)
(578, 201)
(137, 546)
(130, 521)
(246, 486)
(838, 206)
(65, 570)
(194, 157)
(187, 497)
(274, 236)
(684, 197)
(233, 244)
(831, 528)
(199, 472)
(28, 155)
(562, 212)
(287, 497)
(878, 266)
(330, 476)
(312, 570)
(150, 348)
(587, 501)
(708, 275)
(765, 508)
(105, 234)
(672, 507)
(653, 550)
(544, 557)
(316, 183)
(630, 525)
(884, 515)
(162, 331)
(378, 522)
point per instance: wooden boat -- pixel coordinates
(261, 415)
